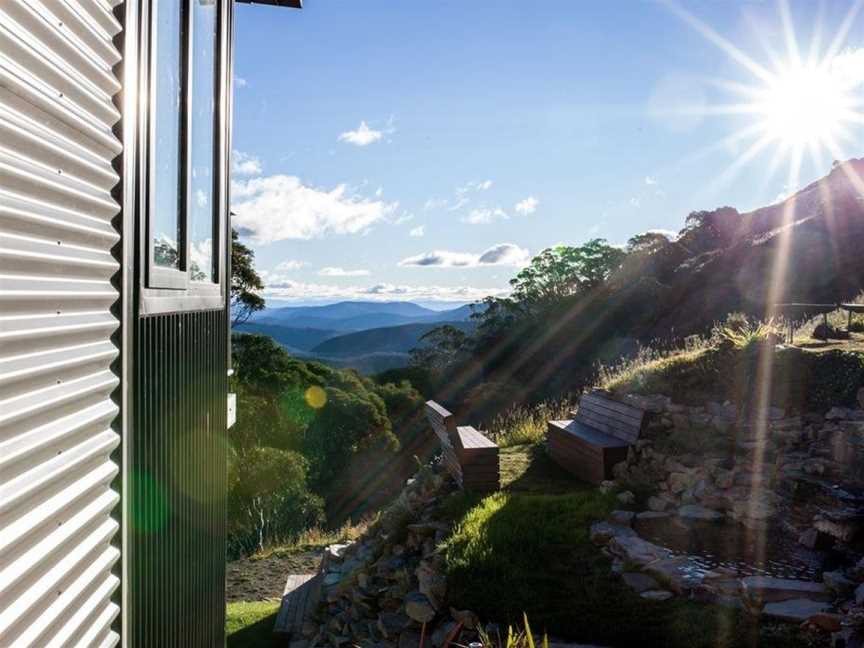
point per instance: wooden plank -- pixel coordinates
(628, 435)
(603, 400)
(299, 597)
(442, 422)
(473, 439)
(587, 415)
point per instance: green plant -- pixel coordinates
(523, 638)
(523, 424)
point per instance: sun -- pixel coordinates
(805, 105)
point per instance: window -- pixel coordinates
(184, 213)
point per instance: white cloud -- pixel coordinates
(435, 203)
(848, 67)
(670, 234)
(527, 206)
(461, 196)
(279, 207)
(474, 185)
(635, 202)
(362, 136)
(485, 216)
(504, 254)
(298, 291)
(650, 181)
(286, 266)
(341, 272)
(245, 164)
(240, 82)
(418, 231)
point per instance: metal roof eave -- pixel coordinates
(293, 4)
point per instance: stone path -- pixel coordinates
(300, 597)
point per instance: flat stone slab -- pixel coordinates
(793, 610)
(636, 550)
(697, 512)
(772, 590)
(639, 582)
(299, 597)
(657, 595)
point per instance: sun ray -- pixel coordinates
(842, 33)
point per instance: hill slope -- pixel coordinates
(293, 338)
(386, 339)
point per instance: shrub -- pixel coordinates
(269, 501)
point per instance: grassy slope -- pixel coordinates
(249, 624)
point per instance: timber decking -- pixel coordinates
(596, 438)
(299, 598)
(469, 457)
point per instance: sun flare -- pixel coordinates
(805, 105)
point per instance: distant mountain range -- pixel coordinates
(358, 316)
(368, 336)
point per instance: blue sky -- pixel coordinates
(419, 150)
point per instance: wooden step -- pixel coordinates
(298, 600)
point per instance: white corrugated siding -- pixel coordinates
(56, 206)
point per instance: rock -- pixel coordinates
(793, 610)
(837, 582)
(652, 515)
(814, 539)
(697, 512)
(635, 550)
(859, 595)
(603, 532)
(409, 639)
(419, 608)
(724, 479)
(856, 572)
(467, 618)
(657, 595)
(844, 525)
(837, 413)
(606, 487)
(623, 518)
(639, 582)
(431, 583)
(860, 397)
(439, 636)
(626, 497)
(678, 573)
(768, 589)
(825, 621)
(679, 482)
(392, 623)
(657, 504)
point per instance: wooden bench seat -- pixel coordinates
(467, 454)
(596, 438)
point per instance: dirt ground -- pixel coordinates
(262, 578)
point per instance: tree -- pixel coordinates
(647, 242)
(438, 348)
(245, 282)
(563, 271)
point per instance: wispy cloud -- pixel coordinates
(240, 82)
(289, 290)
(341, 272)
(527, 206)
(418, 231)
(635, 202)
(245, 164)
(461, 196)
(279, 207)
(361, 136)
(650, 181)
(485, 216)
(504, 254)
(286, 266)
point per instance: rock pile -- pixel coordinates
(384, 588)
(801, 474)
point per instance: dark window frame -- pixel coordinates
(163, 289)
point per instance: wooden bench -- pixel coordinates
(596, 438)
(469, 457)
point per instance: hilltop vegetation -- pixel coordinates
(573, 308)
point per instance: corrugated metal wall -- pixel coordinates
(58, 554)
(176, 547)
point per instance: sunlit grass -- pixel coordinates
(522, 424)
(317, 538)
(249, 624)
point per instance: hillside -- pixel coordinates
(386, 339)
(293, 338)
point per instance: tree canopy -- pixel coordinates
(245, 282)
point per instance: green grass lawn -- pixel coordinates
(515, 553)
(249, 624)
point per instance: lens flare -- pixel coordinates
(315, 397)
